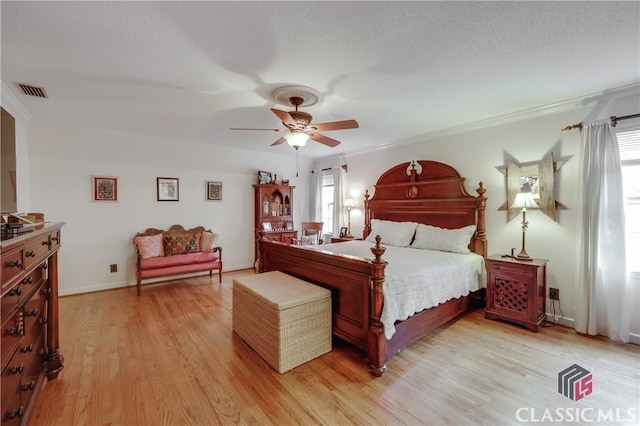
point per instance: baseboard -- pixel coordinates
(132, 283)
(567, 322)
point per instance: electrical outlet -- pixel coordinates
(113, 267)
(554, 293)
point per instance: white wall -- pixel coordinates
(63, 159)
(476, 154)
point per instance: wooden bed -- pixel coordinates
(426, 192)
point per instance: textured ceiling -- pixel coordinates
(189, 71)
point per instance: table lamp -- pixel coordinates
(524, 201)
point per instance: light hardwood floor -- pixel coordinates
(169, 357)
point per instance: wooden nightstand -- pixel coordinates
(342, 239)
(516, 290)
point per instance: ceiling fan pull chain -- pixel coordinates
(296, 162)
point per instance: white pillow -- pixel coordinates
(397, 234)
(434, 238)
(309, 240)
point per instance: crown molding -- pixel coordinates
(9, 100)
(562, 106)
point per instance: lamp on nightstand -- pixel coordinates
(524, 201)
(349, 204)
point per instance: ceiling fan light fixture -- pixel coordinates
(296, 139)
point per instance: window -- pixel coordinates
(328, 189)
(629, 143)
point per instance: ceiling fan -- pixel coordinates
(299, 128)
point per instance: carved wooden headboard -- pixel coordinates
(427, 192)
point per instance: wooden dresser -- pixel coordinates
(29, 327)
(273, 205)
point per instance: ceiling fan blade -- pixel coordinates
(279, 141)
(250, 128)
(336, 125)
(324, 140)
(284, 116)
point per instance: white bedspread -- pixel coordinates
(417, 279)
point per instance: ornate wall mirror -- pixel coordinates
(537, 178)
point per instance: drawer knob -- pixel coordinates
(27, 280)
(45, 242)
(28, 348)
(46, 290)
(56, 239)
(30, 253)
(44, 266)
(15, 264)
(31, 313)
(29, 386)
(18, 330)
(16, 413)
(17, 369)
(43, 320)
(16, 291)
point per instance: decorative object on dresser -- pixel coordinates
(264, 178)
(104, 188)
(436, 197)
(176, 251)
(349, 204)
(273, 215)
(167, 189)
(524, 201)
(30, 327)
(516, 290)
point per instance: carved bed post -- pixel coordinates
(377, 340)
(367, 216)
(481, 236)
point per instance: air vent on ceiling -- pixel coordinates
(32, 90)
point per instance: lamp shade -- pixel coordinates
(524, 200)
(296, 139)
(349, 203)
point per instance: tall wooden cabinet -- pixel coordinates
(273, 215)
(29, 328)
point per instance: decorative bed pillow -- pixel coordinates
(149, 246)
(207, 240)
(309, 240)
(181, 244)
(434, 238)
(397, 234)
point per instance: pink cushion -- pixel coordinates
(178, 260)
(150, 246)
(183, 269)
(207, 240)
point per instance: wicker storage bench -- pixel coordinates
(285, 320)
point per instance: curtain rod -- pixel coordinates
(614, 121)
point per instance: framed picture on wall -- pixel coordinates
(289, 225)
(104, 188)
(213, 191)
(167, 189)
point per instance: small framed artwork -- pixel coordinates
(214, 191)
(285, 182)
(264, 178)
(168, 189)
(104, 188)
(289, 225)
(266, 226)
(343, 231)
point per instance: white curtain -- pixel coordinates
(340, 183)
(602, 286)
(315, 196)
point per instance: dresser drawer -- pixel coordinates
(33, 371)
(10, 301)
(12, 266)
(12, 332)
(32, 281)
(35, 317)
(512, 269)
(11, 377)
(36, 250)
(12, 411)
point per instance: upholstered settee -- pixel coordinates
(176, 251)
